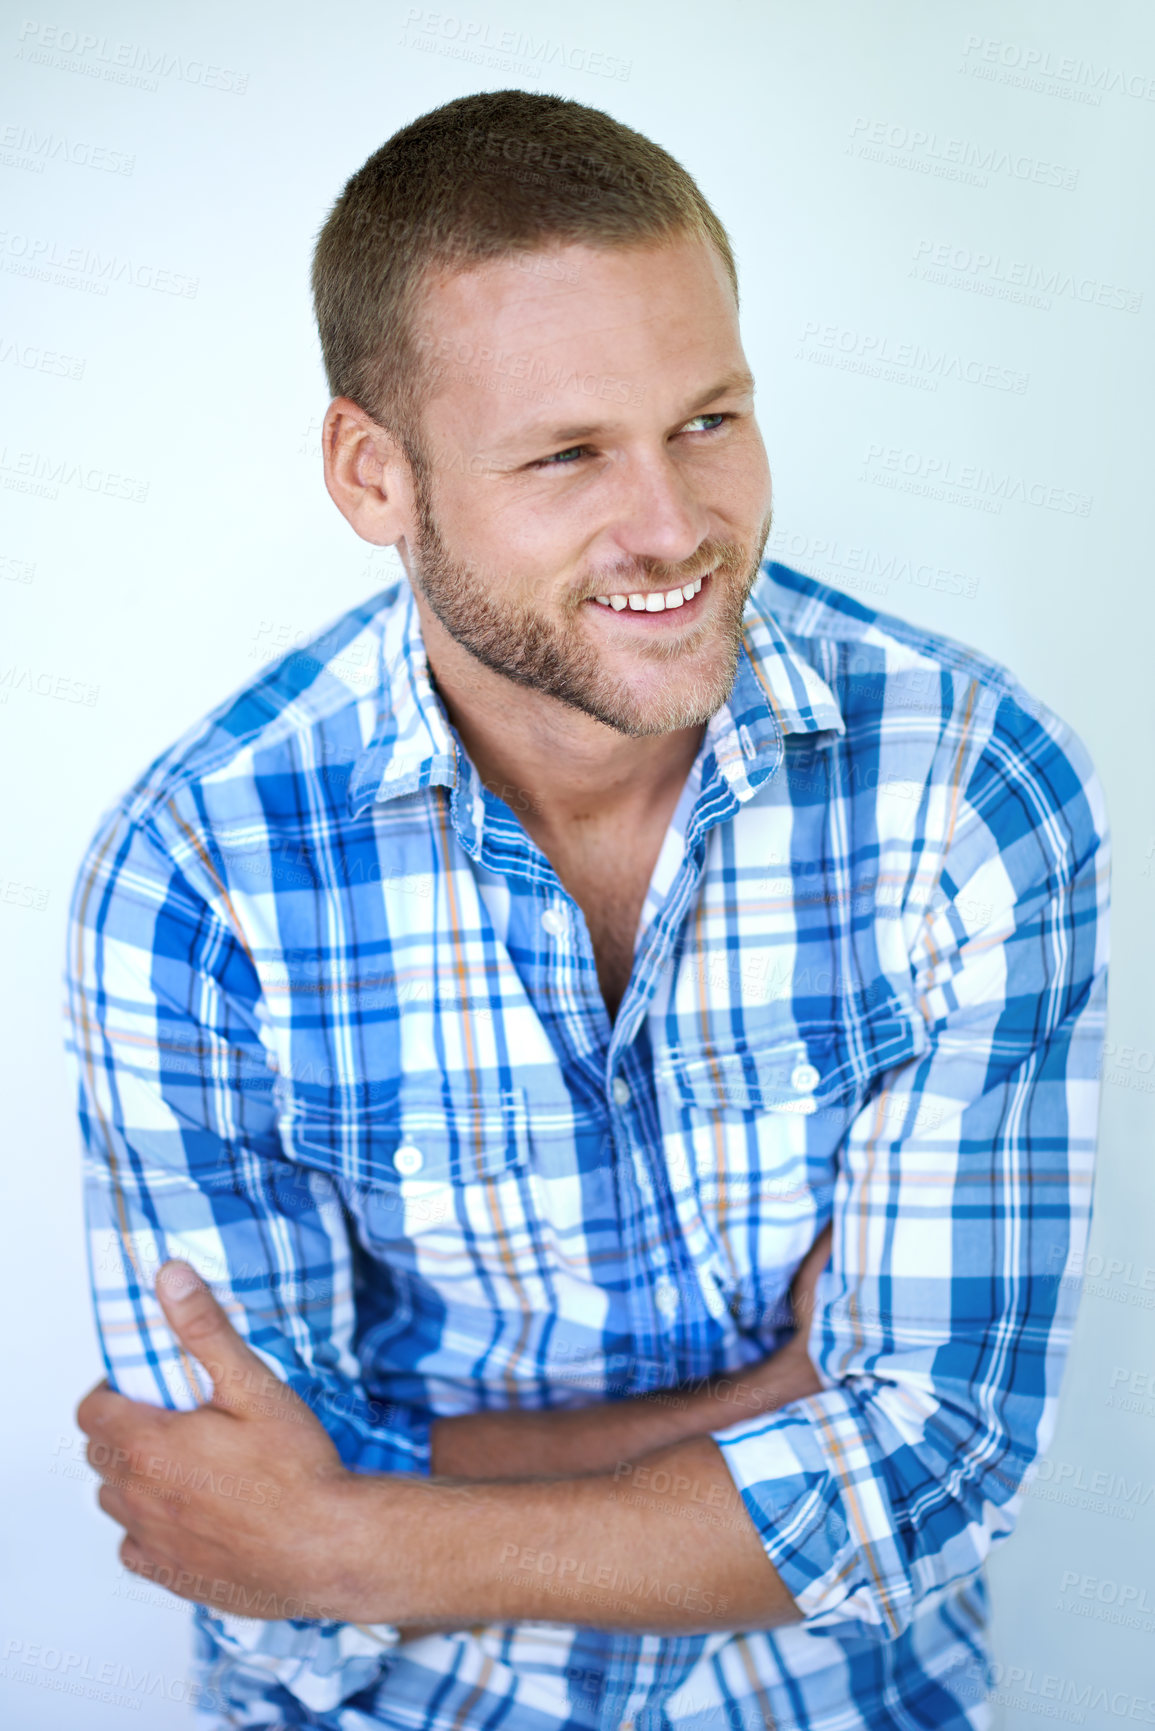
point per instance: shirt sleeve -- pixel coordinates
(182, 1158)
(963, 1193)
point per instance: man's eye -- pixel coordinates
(558, 460)
(565, 459)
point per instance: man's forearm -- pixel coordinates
(665, 1546)
(598, 1437)
(596, 1516)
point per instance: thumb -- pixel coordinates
(240, 1379)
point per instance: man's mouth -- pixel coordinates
(653, 600)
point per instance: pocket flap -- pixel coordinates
(818, 1068)
(779, 1078)
(421, 1131)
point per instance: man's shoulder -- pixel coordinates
(326, 687)
(964, 715)
(812, 614)
(875, 661)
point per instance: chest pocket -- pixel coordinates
(426, 1162)
(819, 1069)
(752, 1139)
(753, 1129)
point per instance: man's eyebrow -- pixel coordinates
(545, 433)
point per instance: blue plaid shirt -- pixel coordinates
(339, 1042)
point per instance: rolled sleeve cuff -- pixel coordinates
(372, 1436)
(322, 1664)
(811, 1479)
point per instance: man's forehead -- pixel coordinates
(563, 355)
(561, 278)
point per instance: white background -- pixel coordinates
(125, 618)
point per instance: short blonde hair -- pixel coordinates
(484, 177)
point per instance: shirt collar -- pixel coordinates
(411, 746)
(776, 692)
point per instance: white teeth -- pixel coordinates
(658, 601)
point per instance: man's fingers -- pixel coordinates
(202, 1327)
(805, 1280)
(132, 1555)
(816, 1257)
(103, 1410)
(115, 1504)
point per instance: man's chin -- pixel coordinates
(643, 706)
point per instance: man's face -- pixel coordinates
(588, 431)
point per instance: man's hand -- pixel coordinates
(244, 1504)
(205, 1518)
(238, 1504)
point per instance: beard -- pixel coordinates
(556, 657)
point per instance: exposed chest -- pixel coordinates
(612, 904)
(607, 870)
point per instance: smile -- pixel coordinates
(655, 601)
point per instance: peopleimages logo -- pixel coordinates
(989, 273)
(34, 359)
(80, 267)
(926, 152)
(901, 362)
(967, 483)
(860, 567)
(476, 40)
(25, 147)
(130, 63)
(1036, 68)
(39, 473)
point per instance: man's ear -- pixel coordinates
(367, 474)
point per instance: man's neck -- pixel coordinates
(598, 803)
(551, 762)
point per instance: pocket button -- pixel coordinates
(805, 1078)
(408, 1160)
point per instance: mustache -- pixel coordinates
(722, 558)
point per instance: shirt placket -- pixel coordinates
(676, 1289)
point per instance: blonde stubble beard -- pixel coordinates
(530, 651)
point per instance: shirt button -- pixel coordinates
(554, 921)
(805, 1078)
(408, 1160)
(666, 1296)
(621, 1091)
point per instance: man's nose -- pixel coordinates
(656, 513)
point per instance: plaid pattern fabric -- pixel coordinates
(339, 1042)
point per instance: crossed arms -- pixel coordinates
(939, 1335)
(310, 1537)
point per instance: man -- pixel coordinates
(502, 1039)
